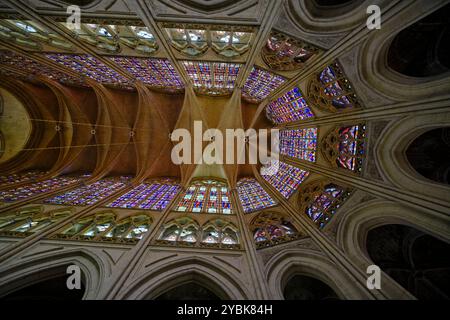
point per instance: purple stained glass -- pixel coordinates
(154, 72)
(336, 86)
(15, 178)
(91, 193)
(260, 83)
(89, 66)
(289, 107)
(284, 177)
(212, 77)
(351, 147)
(252, 196)
(299, 143)
(324, 205)
(150, 196)
(37, 188)
(30, 67)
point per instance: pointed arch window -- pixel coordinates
(260, 83)
(219, 233)
(25, 68)
(299, 143)
(87, 65)
(270, 229)
(31, 190)
(344, 147)
(151, 196)
(21, 177)
(107, 227)
(158, 73)
(206, 196)
(331, 91)
(288, 108)
(283, 53)
(212, 78)
(29, 220)
(182, 231)
(30, 34)
(252, 196)
(196, 40)
(284, 177)
(321, 200)
(91, 193)
(114, 38)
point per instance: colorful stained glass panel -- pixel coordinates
(252, 196)
(324, 205)
(20, 177)
(91, 193)
(260, 83)
(154, 72)
(35, 189)
(351, 147)
(284, 177)
(206, 196)
(289, 107)
(150, 196)
(27, 67)
(89, 66)
(299, 143)
(336, 86)
(212, 77)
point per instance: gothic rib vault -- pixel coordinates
(90, 179)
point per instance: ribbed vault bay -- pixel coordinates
(363, 118)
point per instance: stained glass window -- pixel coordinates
(37, 188)
(150, 196)
(299, 143)
(26, 67)
(213, 78)
(252, 196)
(91, 67)
(231, 43)
(332, 91)
(182, 230)
(289, 107)
(130, 228)
(107, 227)
(15, 178)
(260, 83)
(191, 42)
(219, 233)
(154, 72)
(195, 40)
(284, 53)
(344, 147)
(30, 34)
(91, 193)
(206, 196)
(113, 38)
(271, 228)
(325, 204)
(284, 177)
(29, 220)
(351, 147)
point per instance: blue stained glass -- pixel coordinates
(91, 193)
(337, 87)
(299, 143)
(150, 196)
(36, 188)
(289, 107)
(260, 83)
(252, 196)
(286, 178)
